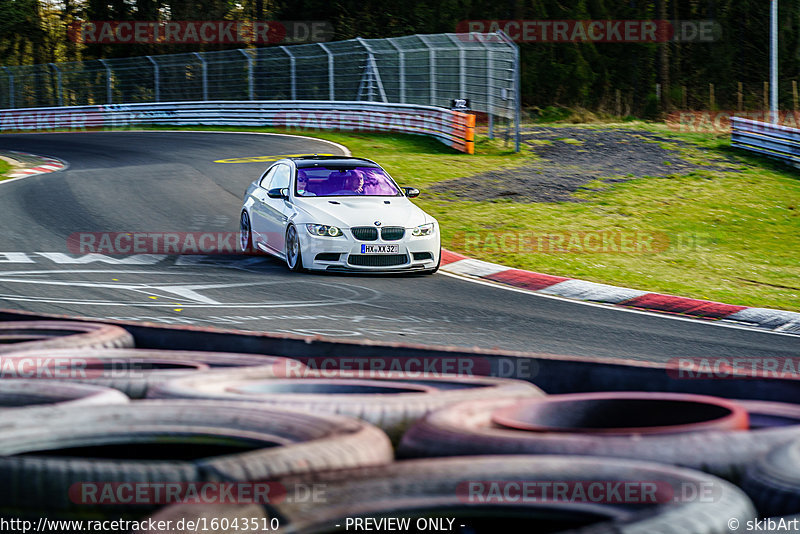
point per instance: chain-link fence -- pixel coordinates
(416, 69)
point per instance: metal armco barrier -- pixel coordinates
(453, 128)
(779, 142)
(418, 70)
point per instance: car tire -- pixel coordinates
(23, 393)
(438, 264)
(463, 489)
(27, 335)
(773, 481)
(294, 256)
(135, 371)
(394, 400)
(46, 457)
(246, 245)
(466, 429)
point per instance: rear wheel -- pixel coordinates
(294, 258)
(246, 235)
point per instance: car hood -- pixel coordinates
(360, 211)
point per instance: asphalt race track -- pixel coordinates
(168, 182)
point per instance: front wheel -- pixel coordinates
(294, 258)
(246, 235)
(431, 271)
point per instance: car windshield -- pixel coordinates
(351, 181)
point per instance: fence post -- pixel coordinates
(59, 91)
(462, 67)
(293, 72)
(401, 56)
(739, 96)
(372, 68)
(489, 87)
(249, 73)
(431, 69)
(155, 78)
(330, 71)
(205, 74)
(711, 99)
(517, 87)
(109, 98)
(10, 87)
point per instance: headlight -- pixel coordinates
(423, 229)
(323, 230)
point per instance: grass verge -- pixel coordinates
(5, 168)
(731, 236)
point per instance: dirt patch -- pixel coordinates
(573, 157)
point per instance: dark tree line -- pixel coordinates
(615, 77)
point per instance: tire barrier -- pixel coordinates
(29, 335)
(133, 371)
(63, 460)
(518, 494)
(467, 429)
(623, 413)
(773, 481)
(390, 400)
(16, 394)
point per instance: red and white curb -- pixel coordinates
(42, 165)
(776, 320)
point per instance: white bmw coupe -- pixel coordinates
(335, 213)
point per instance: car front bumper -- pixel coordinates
(345, 253)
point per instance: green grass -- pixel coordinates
(728, 236)
(5, 167)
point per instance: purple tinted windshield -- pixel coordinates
(358, 181)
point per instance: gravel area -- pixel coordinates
(573, 157)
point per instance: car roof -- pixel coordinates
(331, 161)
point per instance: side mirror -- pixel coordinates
(278, 193)
(411, 192)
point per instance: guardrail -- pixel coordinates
(453, 128)
(779, 142)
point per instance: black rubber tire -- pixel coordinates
(438, 264)
(298, 266)
(773, 481)
(439, 488)
(15, 394)
(246, 248)
(393, 412)
(466, 430)
(623, 413)
(34, 481)
(29, 335)
(121, 370)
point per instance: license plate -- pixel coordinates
(380, 249)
